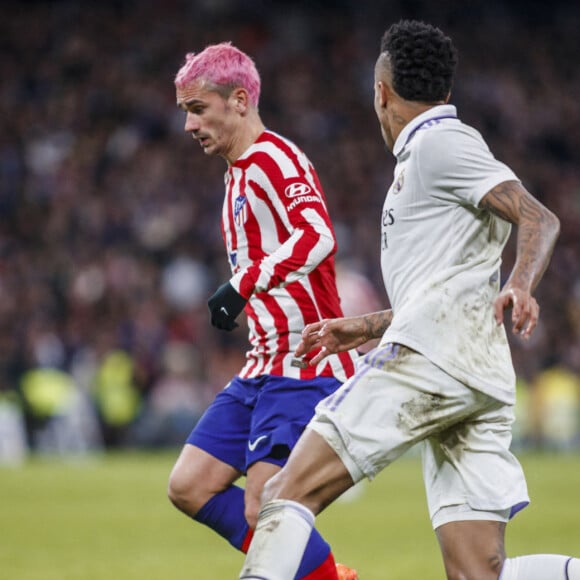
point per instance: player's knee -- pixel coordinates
(181, 493)
(273, 488)
(282, 486)
(251, 510)
(175, 489)
(487, 569)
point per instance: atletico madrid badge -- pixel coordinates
(240, 210)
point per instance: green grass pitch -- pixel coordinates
(108, 518)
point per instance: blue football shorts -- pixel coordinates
(259, 419)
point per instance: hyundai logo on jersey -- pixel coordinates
(297, 189)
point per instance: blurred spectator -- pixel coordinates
(106, 216)
(556, 408)
(176, 401)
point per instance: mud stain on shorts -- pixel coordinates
(422, 410)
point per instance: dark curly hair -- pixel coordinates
(422, 60)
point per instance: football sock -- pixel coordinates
(224, 513)
(326, 570)
(541, 567)
(280, 538)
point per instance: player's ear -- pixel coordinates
(384, 93)
(240, 99)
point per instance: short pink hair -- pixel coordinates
(223, 65)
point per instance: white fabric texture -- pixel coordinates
(279, 541)
(541, 567)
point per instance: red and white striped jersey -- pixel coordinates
(280, 245)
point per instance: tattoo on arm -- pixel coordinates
(538, 230)
(377, 322)
(511, 202)
(502, 202)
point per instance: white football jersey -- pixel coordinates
(441, 253)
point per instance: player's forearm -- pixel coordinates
(537, 235)
(304, 251)
(538, 230)
(377, 323)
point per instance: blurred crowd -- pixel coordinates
(109, 213)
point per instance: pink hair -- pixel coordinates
(221, 64)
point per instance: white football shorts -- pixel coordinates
(398, 398)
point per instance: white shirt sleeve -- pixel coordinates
(458, 166)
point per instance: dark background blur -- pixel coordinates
(109, 213)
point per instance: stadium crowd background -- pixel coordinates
(109, 214)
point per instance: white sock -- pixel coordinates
(279, 541)
(541, 567)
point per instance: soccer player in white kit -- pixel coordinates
(442, 374)
(280, 247)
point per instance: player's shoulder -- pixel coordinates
(273, 154)
(448, 141)
(274, 143)
(446, 129)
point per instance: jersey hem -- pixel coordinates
(503, 395)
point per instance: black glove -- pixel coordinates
(224, 307)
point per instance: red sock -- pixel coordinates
(326, 570)
(247, 540)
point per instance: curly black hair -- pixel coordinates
(422, 60)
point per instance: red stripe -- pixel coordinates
(229, 226)
(281, 324)
(252, 365)
(323, 280)
(304, 302)
(289, 151)
(247, 541)
(326, 570)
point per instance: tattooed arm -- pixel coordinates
(538, 230)
(340, 334)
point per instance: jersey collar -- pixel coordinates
(434, 114)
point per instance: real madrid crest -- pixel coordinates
(398, 185)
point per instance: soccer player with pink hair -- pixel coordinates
(280, 245)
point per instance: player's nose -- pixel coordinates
(191, 123)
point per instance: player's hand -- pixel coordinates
(525, 310)
(331, 336)
(225, 306)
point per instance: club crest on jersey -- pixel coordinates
(240, 210)
(399, 183)
(297, 189)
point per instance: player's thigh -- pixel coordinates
(197, 476)
(472, 549)
(396, 398)
(283, 408)
(224, 428)
(314, 474)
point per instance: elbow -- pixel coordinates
(328, 245)
(553, 228)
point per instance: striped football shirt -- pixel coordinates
(280, 245)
